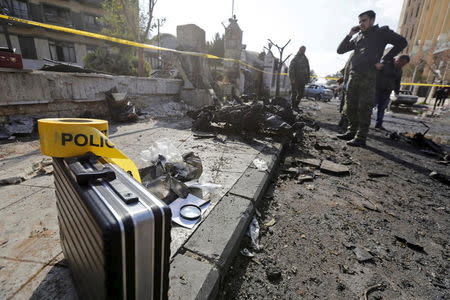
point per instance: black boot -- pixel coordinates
(346, 136)
(357, 142)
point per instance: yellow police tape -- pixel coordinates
(147, 46)
(67, 137)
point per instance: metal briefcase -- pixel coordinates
(115, 234)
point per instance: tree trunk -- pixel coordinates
(141, 69)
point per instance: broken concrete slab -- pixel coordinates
(313, 162)
(334, 168)
(219, 236)
(192, 279)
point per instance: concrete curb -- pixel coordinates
(204, 260)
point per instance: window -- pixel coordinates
(406, 18)
(90, 48)
(61, 51)
(17, 8)
(410, 36)
(57, 15)
(91, 22)
(27, 47)
(418, 8)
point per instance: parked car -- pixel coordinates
(404, 97)
(318, 92)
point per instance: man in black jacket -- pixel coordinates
(299, 74)
(388, 80)
(367, 59)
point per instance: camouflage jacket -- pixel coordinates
(299, 68)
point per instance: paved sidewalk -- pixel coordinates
(31, 260)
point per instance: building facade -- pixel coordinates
(426, 26)
(37, 44)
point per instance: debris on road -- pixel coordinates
(270, 223)
(362, 255)
(272, 117)
(304, 178)
(44, 167)
(253, 233)
(311, 162)
(377, 174)
(11, 180)
(334, 168)
(410, 242)
(274, 274)
(247, 253)
(371, 289)
(440, 177)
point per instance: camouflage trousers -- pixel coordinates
(298, 91)
(359, 102)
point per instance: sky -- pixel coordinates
(320, 25)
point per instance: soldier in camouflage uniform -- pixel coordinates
(368, 46)
(299, 76)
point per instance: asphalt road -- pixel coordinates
(382, 231)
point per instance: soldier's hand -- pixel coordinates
(355, 29)
(379, 66)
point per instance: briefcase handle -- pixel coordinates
(83, 176)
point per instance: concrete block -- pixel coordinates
(251, 185)
(192, 279)
(30, 228)
(191, 37)
(219, 236)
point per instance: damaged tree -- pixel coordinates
(280, 63)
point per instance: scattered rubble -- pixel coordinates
(120, 109)
(334, 168)
(169, 172)
(362, 255)
(311, 162)
(410, 242)
(269, 118)
(440, 177)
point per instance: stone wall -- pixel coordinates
(54, 94)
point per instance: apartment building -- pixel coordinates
(426, 26)
(37, 44)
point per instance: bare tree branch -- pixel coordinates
(286, 44)
(286, 58)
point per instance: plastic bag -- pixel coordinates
(163, 147)
(260, 164)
